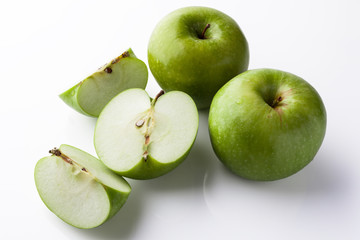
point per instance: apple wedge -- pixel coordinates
(91, 95)
(78, 188)
(142, 138)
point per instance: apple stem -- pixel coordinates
(203, 32)
(276, 102)
(157, 97)
(57, 152)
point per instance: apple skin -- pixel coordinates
(151, 168)
(180, 60)
(262, 142)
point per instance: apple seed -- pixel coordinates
(108, 70)
(140, 123)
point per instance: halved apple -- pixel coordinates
(79, 188)
(142, 138)
(91, 95)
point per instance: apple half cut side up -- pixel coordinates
(91, 95)
(142, 139)
(79, 188)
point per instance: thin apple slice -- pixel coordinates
(139, 138)
(92, 94)
(78, 188)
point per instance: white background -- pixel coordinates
(48, 46)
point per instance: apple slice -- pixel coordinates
(142, 138)
(91, 95)
(78, 188)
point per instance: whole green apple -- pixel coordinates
(197, 50)
(266, 124)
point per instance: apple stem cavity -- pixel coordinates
(276, 102)
(204, 31)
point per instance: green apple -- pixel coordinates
(91, 95)
(197, 50)
(142, 138)
(266, 124)
(78, 188)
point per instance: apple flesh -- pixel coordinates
(266, 124)
(142, 138)
(78, 188)
(197, 50)
(91, 95)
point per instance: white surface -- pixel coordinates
(46, 47)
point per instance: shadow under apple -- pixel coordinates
(188, 176)
(324, 177)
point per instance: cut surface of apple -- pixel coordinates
(142, 139)
(79, 188)
(92, 94)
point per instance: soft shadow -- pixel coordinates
(324, 177)
(187, 176)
